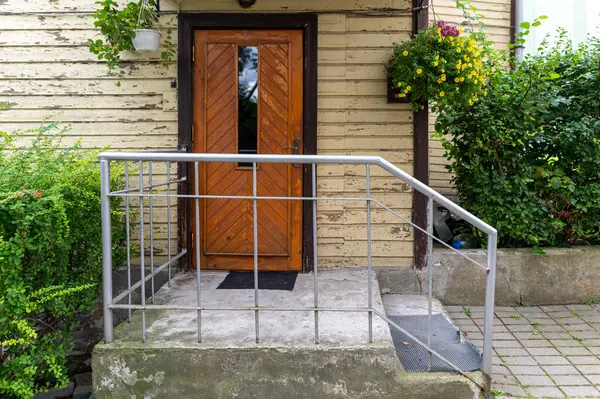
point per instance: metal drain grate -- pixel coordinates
(445, 340)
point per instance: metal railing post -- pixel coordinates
(255, 231)
(151, 227)
(316, 255)
(488, 323)
(127, 242)
(429, 275)
(106, 250)
(142, 254)
(169, 221)
(197, 242)
(369, 263)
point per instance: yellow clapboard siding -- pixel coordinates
(94, 102)
(91, 115)
(85, 71)
(46, 67)
(379, 232)
(128, 142)
(369, 55)
(333, 261)
(59, 37)
(382, 39)
(53, 54)
(357, 23)
(84, 87)
(85, 129)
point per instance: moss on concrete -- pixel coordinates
(373, 371)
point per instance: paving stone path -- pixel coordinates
(540, 351)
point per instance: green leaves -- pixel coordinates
(526, 158)
(117, 25)
(525, 25)
(49, 253)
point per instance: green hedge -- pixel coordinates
(50, 253)
(526, 157)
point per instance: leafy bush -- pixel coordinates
(117, 24)
(50, 254)
(440, 66)
(526, 158)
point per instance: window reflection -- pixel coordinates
(247, 101)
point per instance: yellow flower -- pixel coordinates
(460, 31)
(401, 95)
(399, 84)
(441, 94)
(443, 78)
(470, 102)
(457, 80)
(408, 88)
(458, 50)
(476, 81)
(436, 63)
(419, 71)
(457, 89)
(437, 57)
(462, 79)
(458, 66)
(485, 93)
(405, 53)
(451, 38)
(439, 81)
(439, 31)
(443, 70)
(440, 40)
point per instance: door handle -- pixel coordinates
(295, 147)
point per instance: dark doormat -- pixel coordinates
(282, 281)
(445, 340)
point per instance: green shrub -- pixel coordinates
(526, 157)
(50, 253)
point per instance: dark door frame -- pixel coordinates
(187, 24)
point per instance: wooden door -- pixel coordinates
(248, 99)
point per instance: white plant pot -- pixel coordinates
(146, 40)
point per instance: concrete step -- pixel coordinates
(285, 364)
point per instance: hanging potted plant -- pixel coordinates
(438, 66)
(146, 35)
(133, 27)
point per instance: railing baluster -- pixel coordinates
(151, 227)
(316, 255)
(488, 316)
(255, 228)
(169, 220)
(107, 293)
(198, 277)
(369, 265)
(142, 255)
(429, 275)
(127, 243)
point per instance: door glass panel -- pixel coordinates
(247, 101)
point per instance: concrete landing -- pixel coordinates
(341, 288)
(286, 364)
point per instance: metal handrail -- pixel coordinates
(146, 191)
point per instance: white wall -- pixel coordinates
(580, 18)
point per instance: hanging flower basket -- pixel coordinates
(438, 66)
(146, 39)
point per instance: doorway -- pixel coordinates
(248, 99)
